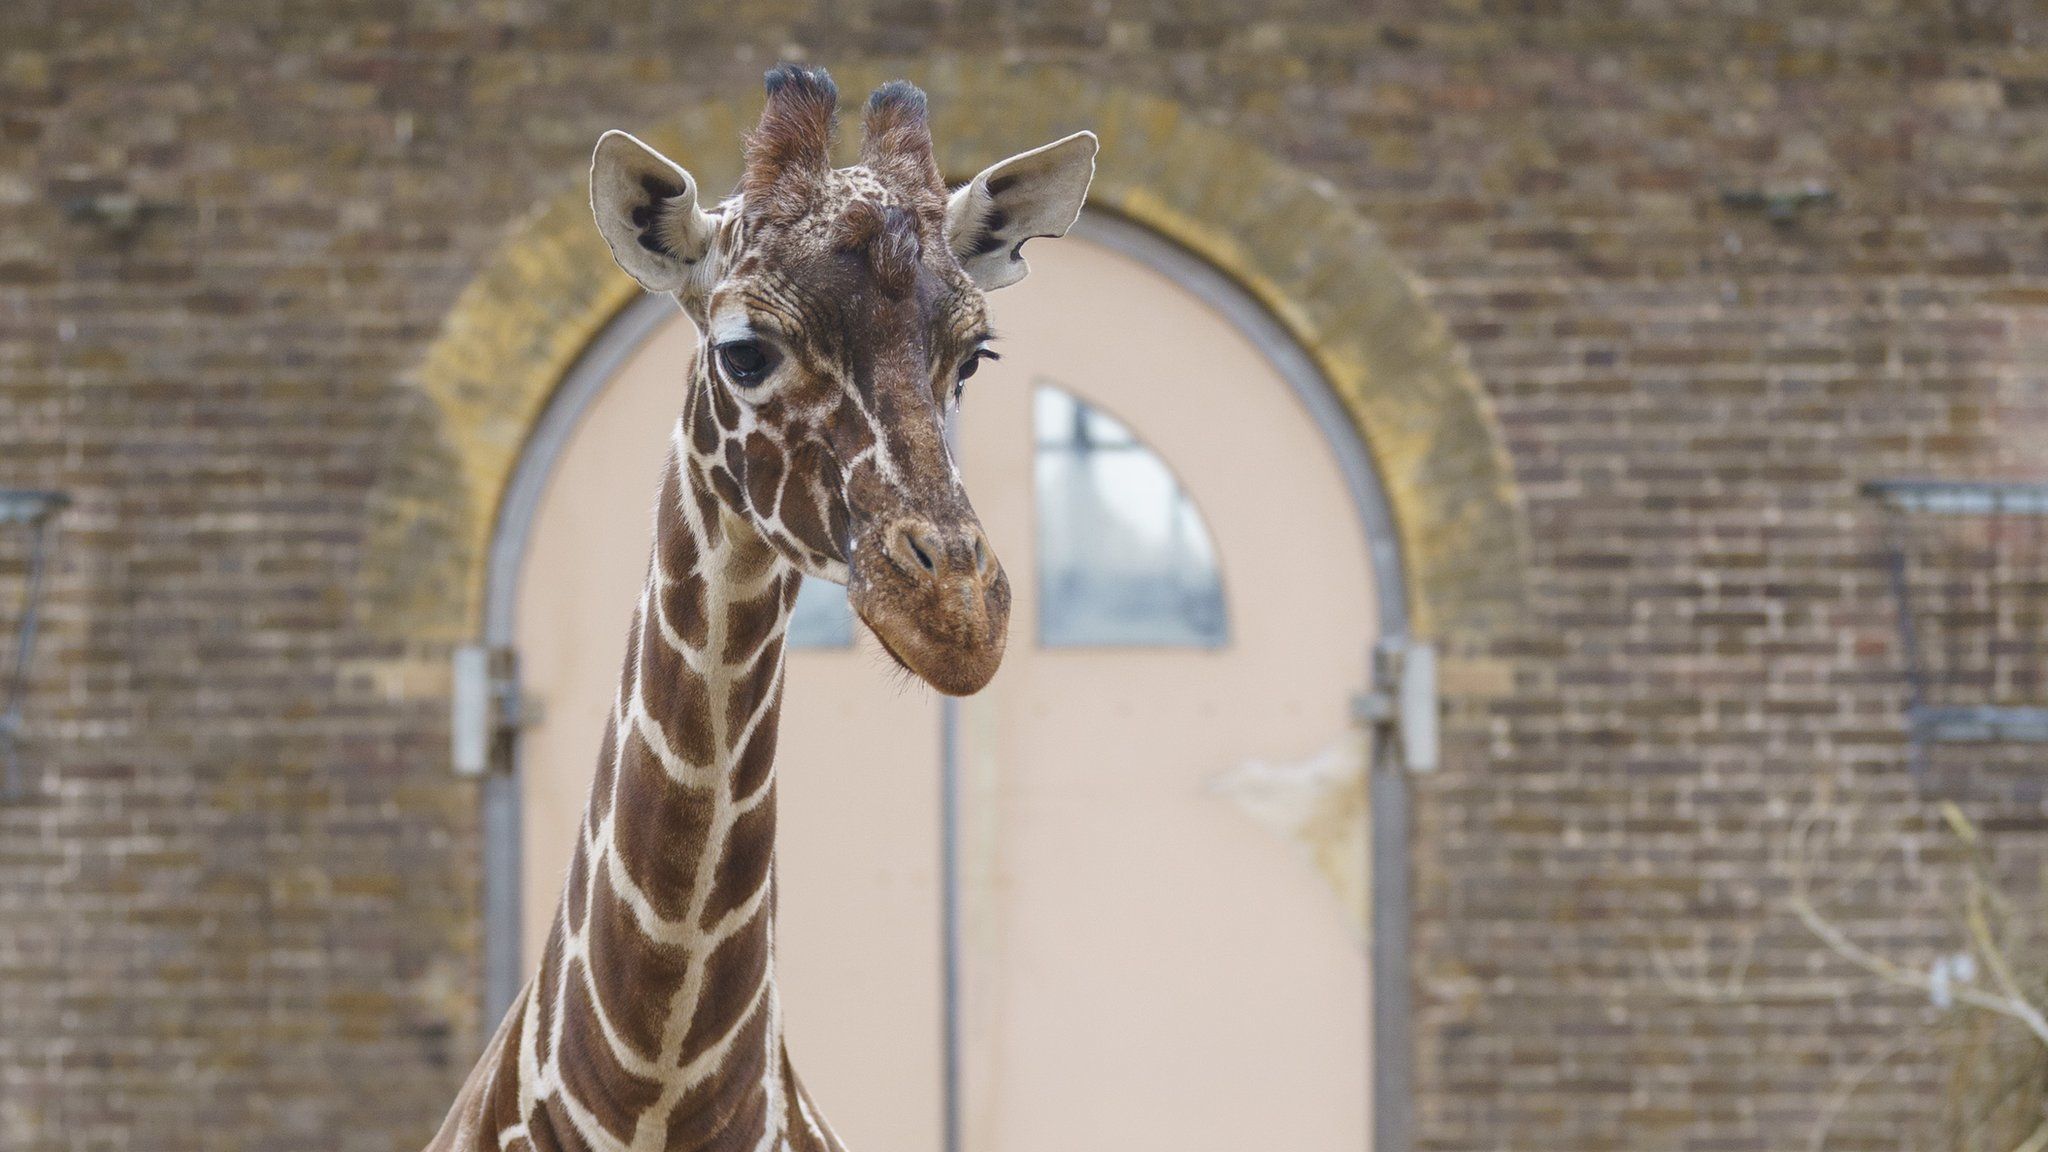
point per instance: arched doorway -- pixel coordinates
(1341, 318)
(1125, 871)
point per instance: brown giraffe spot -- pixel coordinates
(800, 507)
(601, 785)
(730, 1102)
(753, 687)
(680, 555)
(501, 1104)
(549, 981)
(575, 898)
(757, 756)
(839, 527)
(591, 1072)
(708, 515)
(724, 408)
(749, 560)
(727, 487)
(675, 544)
(682, 605)
(736, 462)
(732, 987)
(764, 474)
(556, 1132)
(542, 1131)
(637, 978)
(659, 835)
(743, 866)
(748, 622)
(676, 699)
(704, 434)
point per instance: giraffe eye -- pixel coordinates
(973, 362)
(745, 362)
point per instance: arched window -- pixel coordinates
(1124, 558)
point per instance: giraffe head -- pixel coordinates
(839, 314)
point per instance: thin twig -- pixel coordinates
(1735, 987)
(1824, 1124)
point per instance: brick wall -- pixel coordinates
(240, 910)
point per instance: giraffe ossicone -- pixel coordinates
(839, 313)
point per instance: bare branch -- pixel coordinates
(2008, 1003)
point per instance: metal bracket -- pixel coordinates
(486, 709)
(35, 511)
(1781, 206)
(1402, 705)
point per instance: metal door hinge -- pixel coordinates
(1402, 705)
(487, 708)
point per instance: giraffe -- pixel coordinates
(840, 313)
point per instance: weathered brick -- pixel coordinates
(246, 864)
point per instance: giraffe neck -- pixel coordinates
(653, 1022)
(656, 1021)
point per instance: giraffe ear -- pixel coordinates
(647, 212)
(1035, 193)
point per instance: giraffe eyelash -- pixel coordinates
(967, 368)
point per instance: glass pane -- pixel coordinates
(1123, 556)
(822, 618)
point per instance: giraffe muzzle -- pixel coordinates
(937, 599)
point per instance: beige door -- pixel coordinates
(1160, 837)
(1148, 964)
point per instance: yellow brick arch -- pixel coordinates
(1285, 237)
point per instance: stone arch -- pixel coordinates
(1284, 236)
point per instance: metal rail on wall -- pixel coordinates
(1968, 564)
(33, 511)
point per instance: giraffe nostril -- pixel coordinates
(925, 551)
